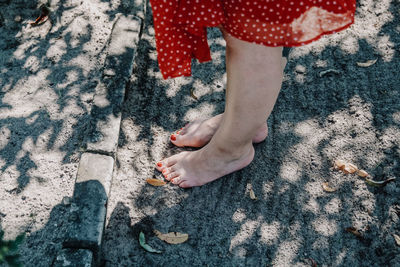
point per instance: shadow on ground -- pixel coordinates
(48, 76)
(350, 113)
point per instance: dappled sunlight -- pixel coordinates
(324, 226)
(159, 136)
(396, 117)
(48, 78)
(311, 205)
(290, 171)
(286, 253)
(344, 114)
(333, 206)
(270, 232)
(204, 111)
(177, 85)
(248, 228)
(239, 216)
(314, 188)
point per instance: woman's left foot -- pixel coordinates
(188, 169)
(199, 132)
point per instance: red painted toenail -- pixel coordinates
(173, 137)
(178, 132)
(164, 171)
(159, 164)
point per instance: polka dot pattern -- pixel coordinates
(181, 25)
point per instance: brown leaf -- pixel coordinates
(252, 195)
(350, 168)
(327, 188)
(172, 237)
(354, 231)
(397, 239)
(155, 182)
(367, 63)
(362, 173)
(379, 183)
(192, 94)
(339, 164)
(45, 11)
(251, 192)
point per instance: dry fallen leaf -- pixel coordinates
(142, 242)
(252, 194)
(44, 15)
(172, 237)
(362, 173)
(379, 183)
(349, 168)
(327, 188)
(325, 72)
(354, 231)
(339, 164)
(192, 94)
(367, 63)
(155, 182)
(397, 239)
(345, 166)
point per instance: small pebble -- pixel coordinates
(66, 201)
(300, 69)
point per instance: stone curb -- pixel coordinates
(110, 92)
(82, 243)
(74, 258)
(91, 191)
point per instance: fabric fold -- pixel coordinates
(181, 25)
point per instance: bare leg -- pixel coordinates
(199, 132)
(254, 79)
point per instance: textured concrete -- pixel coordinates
(110, 91)
(95, 170)
(90, 198)
(350, 113)
(95, 167)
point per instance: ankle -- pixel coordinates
(234, 151)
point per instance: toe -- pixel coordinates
(173, 137)
(184, 129)
(171, 175)
(160, 166)
(166, 163)
(178, 139)
(177, 180)
(165, 172)
(185, 184)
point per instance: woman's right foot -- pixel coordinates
(199, 132)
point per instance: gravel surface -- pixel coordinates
(48, 75)
(329, 108)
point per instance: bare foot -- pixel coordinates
(188, 169)
(199, 132)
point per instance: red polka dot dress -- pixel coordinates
(181, 25)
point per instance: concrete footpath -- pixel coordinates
(63, 83)
(85, 115)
